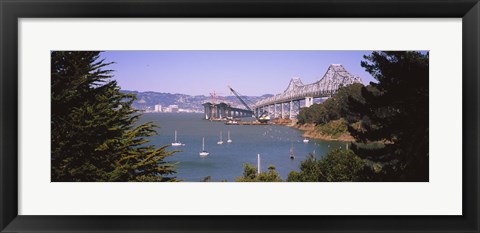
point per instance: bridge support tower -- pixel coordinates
(308, 101)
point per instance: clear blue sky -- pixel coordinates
(248, 72)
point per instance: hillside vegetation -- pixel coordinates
(331, 119)
(387, 121)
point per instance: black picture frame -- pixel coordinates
(11, 11)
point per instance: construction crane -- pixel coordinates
(262, 118)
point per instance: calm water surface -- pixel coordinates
(226, 161)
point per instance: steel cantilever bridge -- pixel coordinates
(335, 77)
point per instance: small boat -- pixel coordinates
(221, 140)
(305, 140)
(229, 140)
(292, 155)
(176, 143)
(203, 153)
(232, 122)
(259, 168)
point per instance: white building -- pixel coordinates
(158, 108)
(173, 108)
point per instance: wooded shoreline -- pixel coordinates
(310, 131)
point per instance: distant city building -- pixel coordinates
(158, 108)
(173, 108)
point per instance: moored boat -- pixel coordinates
(203, 153)
(175, 143)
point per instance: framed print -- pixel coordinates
(318, 116)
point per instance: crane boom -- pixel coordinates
(262, 118)
(240, 98)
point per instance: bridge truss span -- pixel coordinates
(335, 77)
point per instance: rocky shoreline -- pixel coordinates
(310, 131)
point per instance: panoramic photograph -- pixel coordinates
(239, 116)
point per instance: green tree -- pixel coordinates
(335, 166)
(294, 176)
(341, 165)
(333, 108)
(95, 131)
(250, 174)
(270, 176)
(309, 171)
(395, 112)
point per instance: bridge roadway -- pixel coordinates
(335, 77)
(222, 110)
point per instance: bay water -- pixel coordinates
(225, 162)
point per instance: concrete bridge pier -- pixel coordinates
(298, 106)
(308, 101)
(208, 111)
(291, 109)
(275, 110)
(221, 108)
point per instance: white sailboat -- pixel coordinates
(176, 143)
(305, 140)
(229, 140)
(259, 169)
(203, 153)
(221, 140)
(292, 155)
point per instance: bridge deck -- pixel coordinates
(335, 77)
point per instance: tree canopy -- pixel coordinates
(336, 166)
(395, 112)
(250, 174)
(387, 118)
(96, 135)
(333, 108)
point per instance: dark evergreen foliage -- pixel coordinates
(95, 135)
(333, 108)
(392, 113)
(395, 112)
(250, 174)
(335, 166)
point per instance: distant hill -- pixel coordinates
(147, 100)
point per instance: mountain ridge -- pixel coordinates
(147, 100)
